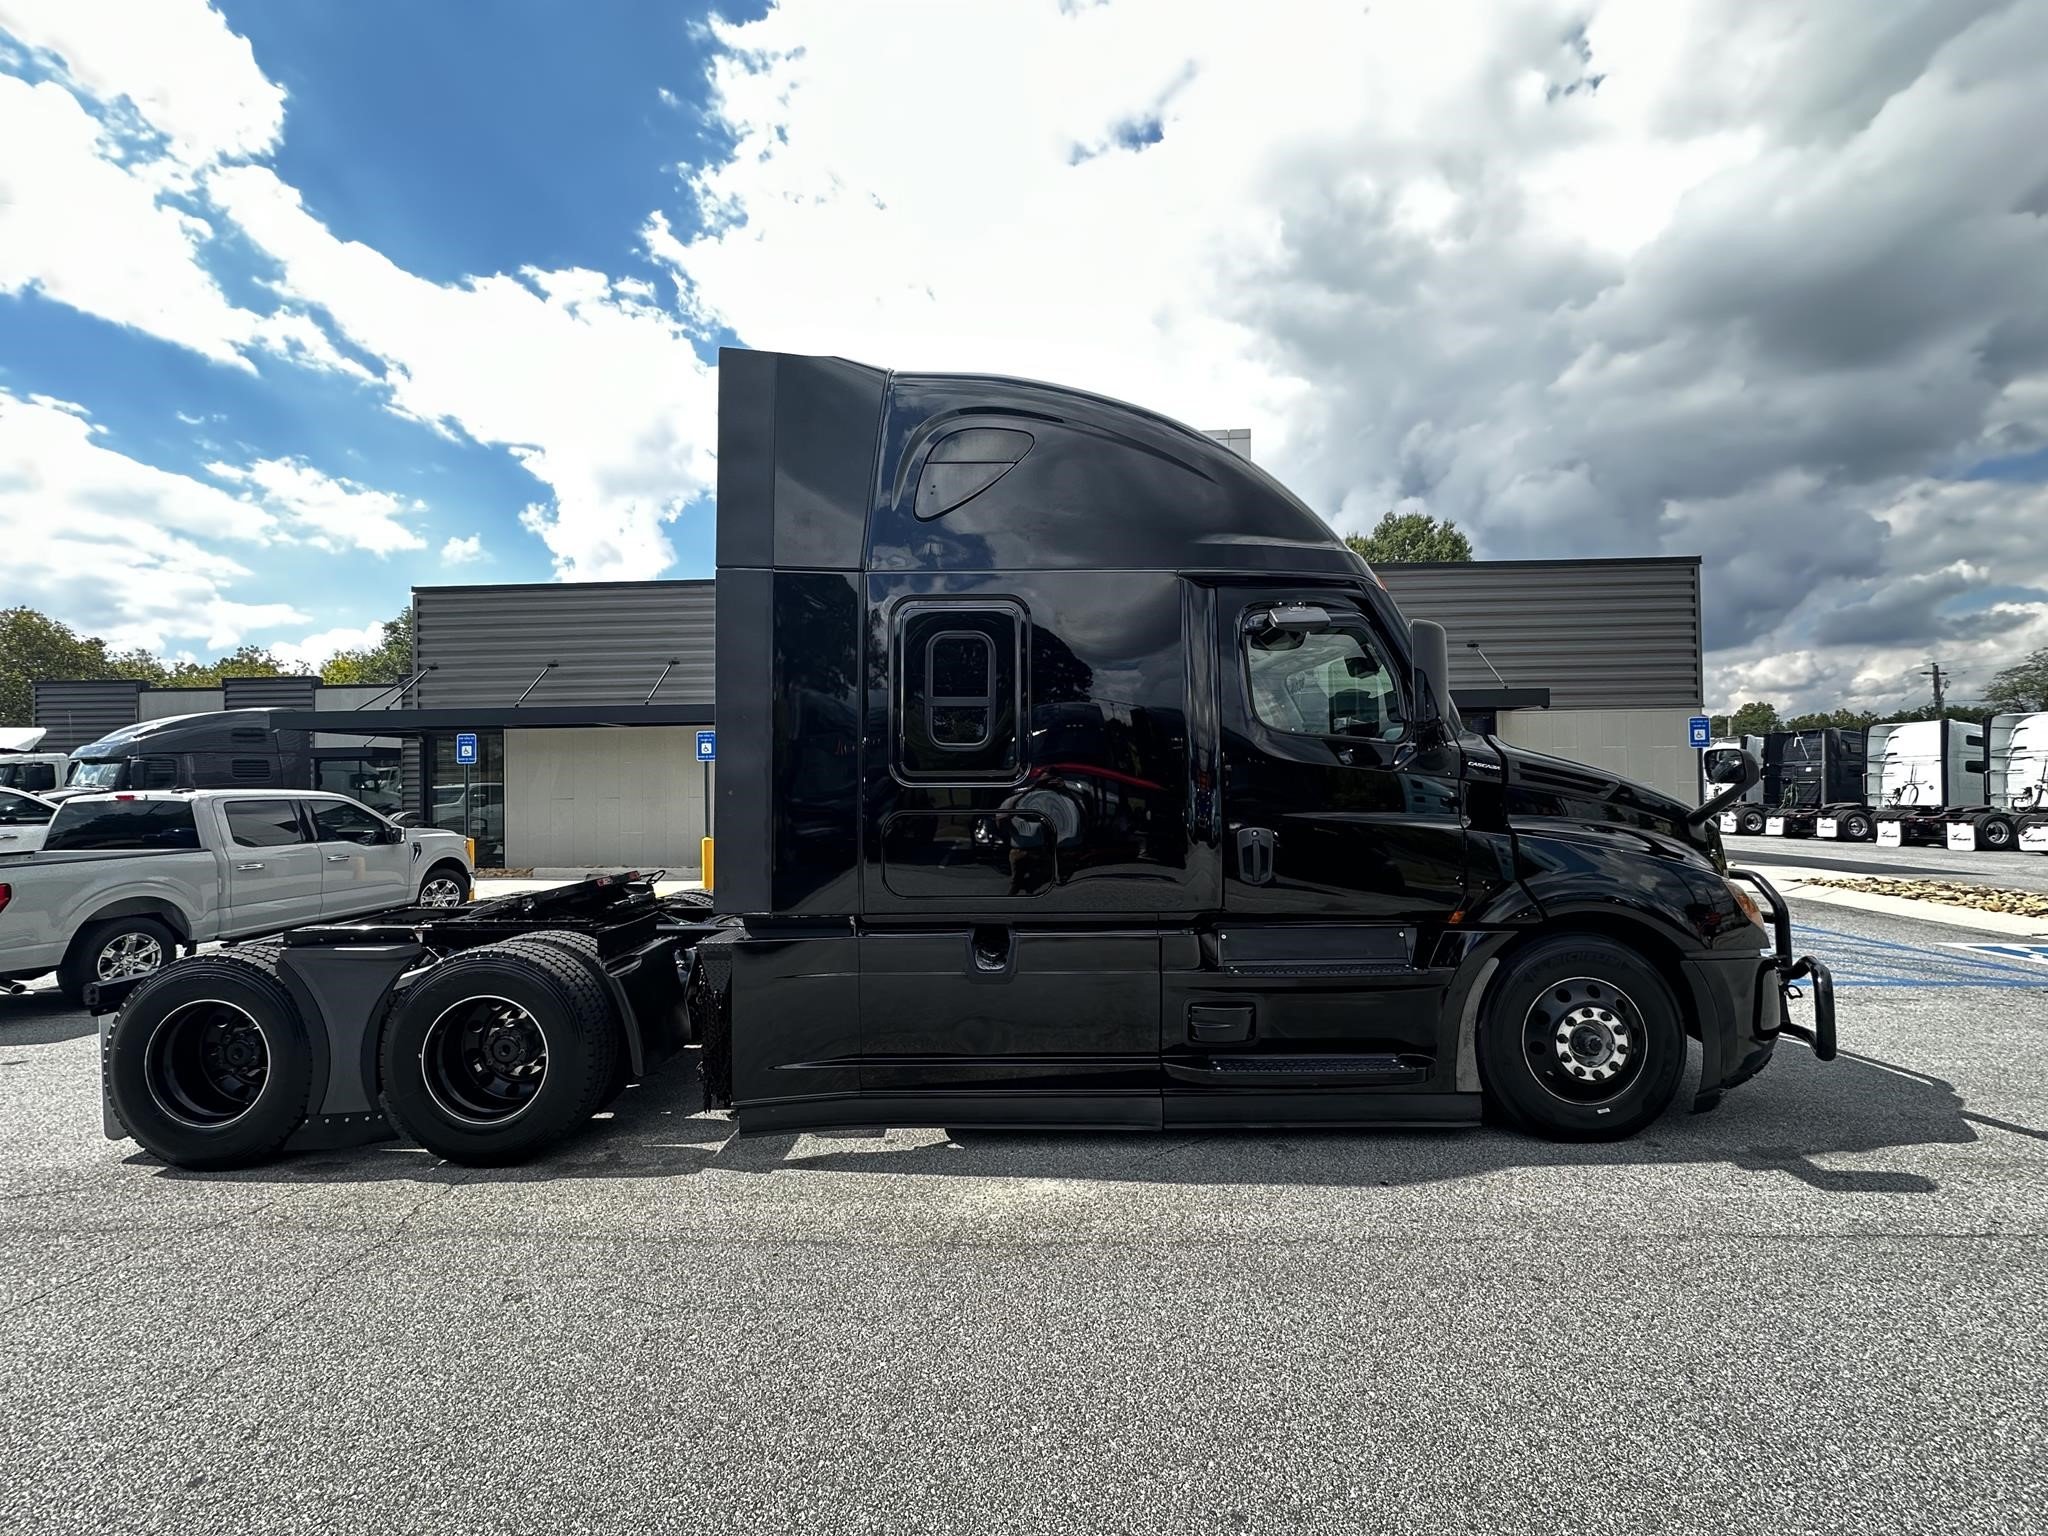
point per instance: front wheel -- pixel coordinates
(446, 885)
(1581, 1040)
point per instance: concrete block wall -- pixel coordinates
(1646, 745)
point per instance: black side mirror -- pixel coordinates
(1432, 649)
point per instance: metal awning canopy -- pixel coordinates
(420, 722)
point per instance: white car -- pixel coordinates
(124, 880)
(24, 821)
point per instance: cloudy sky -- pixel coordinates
(302, 304)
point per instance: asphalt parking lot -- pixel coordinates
(1820, 1308)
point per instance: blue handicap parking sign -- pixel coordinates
(707, 746)
(1699, 730)
(465, 748)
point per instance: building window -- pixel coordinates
(959, 686)
(470, 799)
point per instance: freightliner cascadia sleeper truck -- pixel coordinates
(1072, 774)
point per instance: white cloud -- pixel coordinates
(595, 389)
(176, 61)
(307, 655)
(1590, 278)
(113, 545)
(90, 232)
(327, 512)
(463, 551)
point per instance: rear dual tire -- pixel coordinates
(499, 1052)
(208, 1064)
(1580, 1040)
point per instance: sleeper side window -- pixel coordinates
(1324, 682)
(958, 692)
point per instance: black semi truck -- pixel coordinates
(1074, 774)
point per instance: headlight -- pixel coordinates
(1745, 902)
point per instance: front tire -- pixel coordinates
(118, 949)
(1581, 1040)
(446, 885)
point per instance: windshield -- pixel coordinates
(96, 775)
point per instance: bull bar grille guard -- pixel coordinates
(1792, 971)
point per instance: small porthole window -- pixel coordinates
(960, 689)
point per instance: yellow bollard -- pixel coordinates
(705, 856)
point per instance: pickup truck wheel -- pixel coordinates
(1751, 821)
(207, 1063)
(1581, 1040)
(119, 949)
(497, 1052)
(446, 885)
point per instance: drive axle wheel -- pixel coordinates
(1751, 822)
(1582, 1040)
(1995, 833)
(498, 1052)
(207, 1062)
(1857, 828)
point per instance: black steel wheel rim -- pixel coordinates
(484, 1061)
(207, 1064)
(1584, 1041)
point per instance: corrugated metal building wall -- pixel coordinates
(1617, 643)
(270, 692)
(78, 712)
(610, 639)
(1599, 634)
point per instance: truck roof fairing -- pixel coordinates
(825, 464)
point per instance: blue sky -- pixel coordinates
(303, 304)
(456, 142)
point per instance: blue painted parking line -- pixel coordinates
(1860, 961)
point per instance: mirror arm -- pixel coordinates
(1752, 774)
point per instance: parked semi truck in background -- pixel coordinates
(1821, 777)
(2016, 787)
(1920, 773)
(1157, 815)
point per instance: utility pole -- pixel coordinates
(1934, 670)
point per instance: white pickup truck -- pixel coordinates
(125, 880)
(24, 821)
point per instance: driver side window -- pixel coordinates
(1331, 682)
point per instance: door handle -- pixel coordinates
(338, 858)
(1255, 853)
(245, 868)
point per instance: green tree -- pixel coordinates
(1755, 718)
(1411, 536)
(390, 662)
(33, 646)
(2022, 686)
